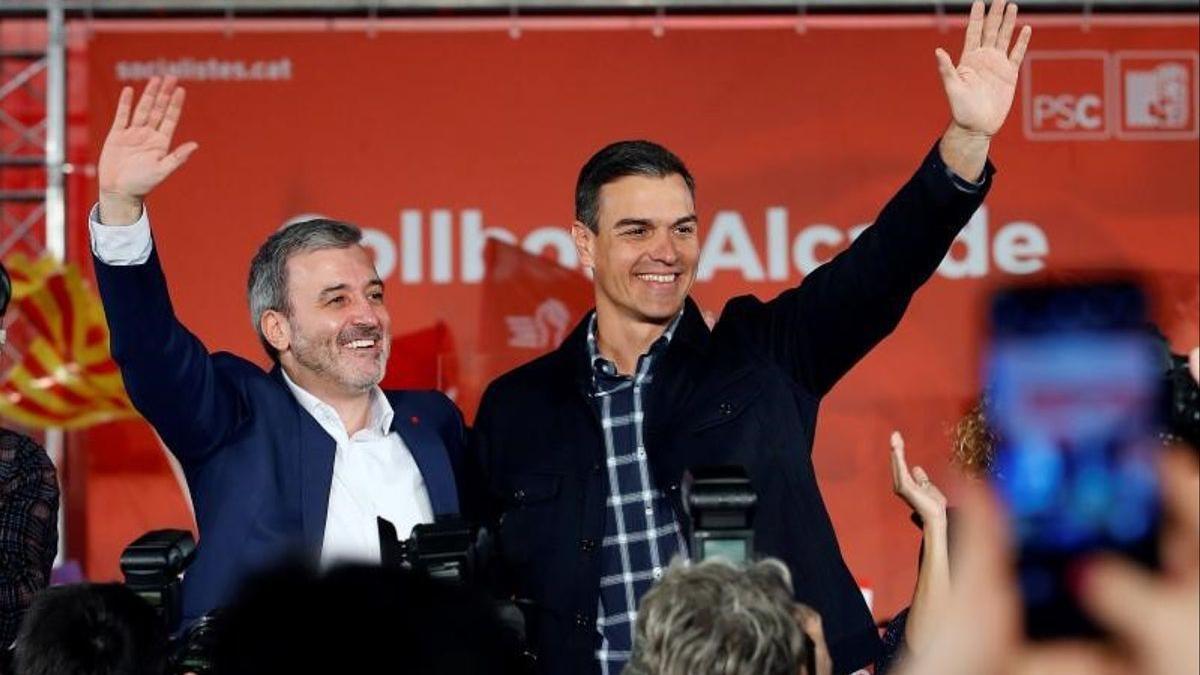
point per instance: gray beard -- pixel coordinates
(310, 357)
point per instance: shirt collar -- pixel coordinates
(604, 366)
(379, 416)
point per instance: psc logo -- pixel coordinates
(1066, 95)
(1068, 112)
(1159, 93)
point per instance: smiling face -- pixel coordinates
(645, 249)
(336, 336)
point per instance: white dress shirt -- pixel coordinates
(374, 473)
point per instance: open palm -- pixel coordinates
(980, 88)
(914, 487)
(137, 154)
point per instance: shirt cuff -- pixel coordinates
(120, 244)
(963, 185)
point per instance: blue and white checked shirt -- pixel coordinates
(640, 532)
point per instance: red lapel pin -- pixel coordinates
(414, 419)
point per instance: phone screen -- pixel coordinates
(1073, 388)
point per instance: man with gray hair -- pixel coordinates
(303, 459)
(718, 618)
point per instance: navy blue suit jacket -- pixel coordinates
(258, 466)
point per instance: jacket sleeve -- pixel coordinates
(476, 494)
(168, 372)
(820, 329)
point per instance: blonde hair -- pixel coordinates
(974, 442)
(717, 618)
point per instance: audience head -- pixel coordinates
(90, 629)
(717, 618)
(974, 442)
(358, 619)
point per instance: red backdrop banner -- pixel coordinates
(436, 140)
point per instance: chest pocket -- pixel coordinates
(528, 526)
(727, 405)
(527, 490)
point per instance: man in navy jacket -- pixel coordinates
(582, 450)
(296, 461)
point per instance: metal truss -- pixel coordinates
(32, 152)
(32, 137)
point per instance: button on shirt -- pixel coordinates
(374, 473)
(640, 532)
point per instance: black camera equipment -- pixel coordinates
(453, 551)
(1183, 403)
(448, 549)
(191, 651)
(720, 502)
(153, 565)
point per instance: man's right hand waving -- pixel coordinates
(136, 156)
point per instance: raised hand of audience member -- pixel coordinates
(933, 578)
(1153, 618)
(810, 622)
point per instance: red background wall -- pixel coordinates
(825, 123)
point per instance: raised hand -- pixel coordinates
(810, 623)
(980, 88)
(931, 596)
(914, 487)
(136, 156)
(1156, 617)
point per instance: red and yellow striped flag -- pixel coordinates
(65, 376)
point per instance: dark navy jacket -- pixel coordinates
(745, 393)
(258, 466)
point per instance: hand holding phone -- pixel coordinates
(1075, 390)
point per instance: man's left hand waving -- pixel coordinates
(980, 88)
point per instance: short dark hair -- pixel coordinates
(620, 159)
(90, 629)
(266, 289)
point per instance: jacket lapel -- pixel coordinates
(573, 353)
(429, 451)
(676, 374)
(317, 451)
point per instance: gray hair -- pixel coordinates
(267, 288)
(717, 618)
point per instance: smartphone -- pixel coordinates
(1074, 395)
